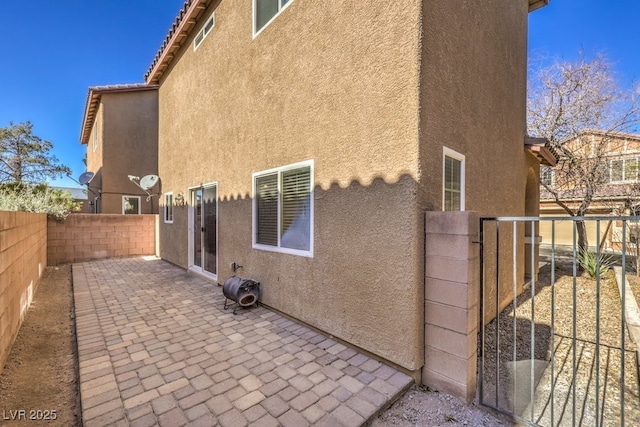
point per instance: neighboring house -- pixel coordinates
(120, 130)
(618, 194)
(304, 141)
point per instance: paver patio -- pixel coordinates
(156, 347)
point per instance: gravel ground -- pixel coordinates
(582, 308)
(421, 406)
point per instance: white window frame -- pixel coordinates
(281, 7)
(168, 208)
(624, 179)
(552, 175)
(132, 197)
(279, 171)
(204, 32)
(447, 152)
(95, 136)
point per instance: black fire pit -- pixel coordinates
(244, 292)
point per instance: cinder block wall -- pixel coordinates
(84, 237)
(452, 282)
(23, 258)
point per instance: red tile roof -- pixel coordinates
(187, 18)
(189, 15)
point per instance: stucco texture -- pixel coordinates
(127, 126)
(371, 95)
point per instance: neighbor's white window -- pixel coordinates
(130, 205)
(168, 207)
(264, 11)
(546, 176)
(204, 31)
(283, 209)
(624, 170)
(453, 181)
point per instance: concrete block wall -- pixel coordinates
(85, 237)
(23, 258)
(452, 281)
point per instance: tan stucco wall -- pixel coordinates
(95, 161)
(127, 145)
(371, 100)
(473, 100)
(238, 106)
(23, 258)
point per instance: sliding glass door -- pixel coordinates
(203, 229)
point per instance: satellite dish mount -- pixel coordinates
(86, 178)
(146, 183)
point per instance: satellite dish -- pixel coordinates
(85, 178)
(148, 182)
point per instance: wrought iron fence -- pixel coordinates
(559, 340)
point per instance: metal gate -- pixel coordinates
(559, 326)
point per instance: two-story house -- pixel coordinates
(120, 130)
(612, 160)
(305, 140)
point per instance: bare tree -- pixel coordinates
(580, 108)
(25, 158)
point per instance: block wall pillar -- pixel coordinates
(452, 280)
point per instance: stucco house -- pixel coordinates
(300, 144)
(120, 130)
(617, 192)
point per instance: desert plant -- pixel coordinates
(593, 264)
(39, 198)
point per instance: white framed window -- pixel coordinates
(546, 176)
(204, 31)
(283, 209)
(168, 208)
(130, 205)
(95, 136)
(624, 170)
(265, 11)
(453, 175)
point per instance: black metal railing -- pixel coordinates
(558, 342)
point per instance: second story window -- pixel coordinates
(624, 170)
(264, 11)
(204, 31)
(546, 176)
(95, 136)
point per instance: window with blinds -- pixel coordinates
(267, 210)
(283, 211)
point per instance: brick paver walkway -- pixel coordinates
(157, 348)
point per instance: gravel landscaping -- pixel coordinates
(567, 379)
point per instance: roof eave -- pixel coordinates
(93, 100)
(537, 4)
(186, 19)
(541, 148)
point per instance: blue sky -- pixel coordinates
(54, 50)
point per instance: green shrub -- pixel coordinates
(593, 264)
(40, 199)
